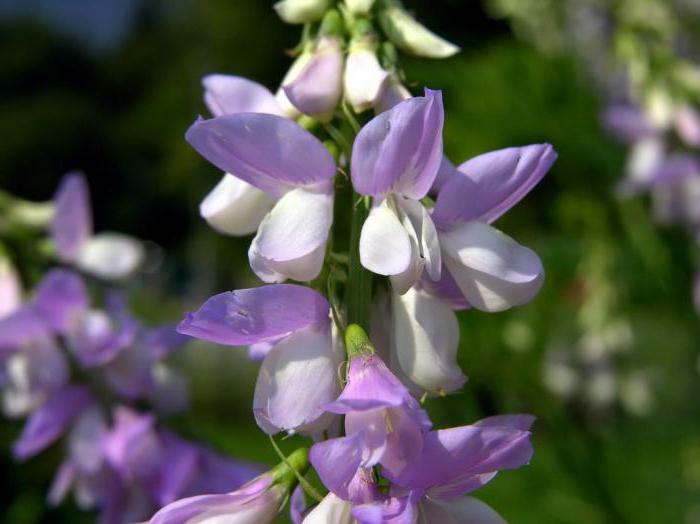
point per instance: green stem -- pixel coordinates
(358, 294)
(308, 488)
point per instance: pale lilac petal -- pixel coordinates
(61, 484)
(426, 338)
(60, 298)
(72, 221)
(627, 123)
(248, 316)
(20, 328)
(111, 256)
(488, 185)
(96, 339)
(364, 78)
(336, 461)
(234, 207)
(446, 288)
(292, 237)
(283, 399)
(220, 474)
(229, 94)
(447, 170)
(687, 121)
(131, 373)
(317, 88)
(162, 341)
(85, 441)
(393, 94)
(370, 386)
(169, 393)
(29, 375)
(132, 446)
(452, 457)
(297, 505)
(178, 466)
(258, 502)
(492, 270)
(264, 150)
(393, 510)
(50, 421)
(673, 168)
(385, 246)
(400, 150)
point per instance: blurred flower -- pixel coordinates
(301, 11)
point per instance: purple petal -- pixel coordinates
(687, 121)
(336, 461)
(162, 341)
(627, 123)
(488, 185)
(400, 150)
(20, 328)
(50, 421)
(219, 474)
(248, 316)
(72, 222)
(132, 446)
(62, 483)
(60, 298)
(452, 457)
(445, 288)
(255, 499)
(228, 95)
(317, 89)
(297, 505)
(521, 422)
(370, 386)
(447, 170)
(264, 150)
(674, 168)
(178, 466)
(95, 339)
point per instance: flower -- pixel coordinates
(395, 158)
(262, 150)
(383, 425)
(364, 78)
(295, 321)
(490, 270)
(111, 256)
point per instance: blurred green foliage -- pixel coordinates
(121, 118)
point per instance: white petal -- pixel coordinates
(331, 509)
(491, 269)
(413, 37)
(426, 336)
(234, 207)
(428, 241)
(385, 247)
(364, 78)
(10, 288)
(111, 256)
(291, 239)
(298, 376)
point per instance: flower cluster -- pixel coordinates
(83, 374)
(299, 169)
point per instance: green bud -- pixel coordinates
(357, 342)
(301, 11)
(332, 24)
(411, 36)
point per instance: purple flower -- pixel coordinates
(395, 159)
(383, 424)
(50, 420)
(490, 269)
(262, 150)
(295, 319)
(110, 256)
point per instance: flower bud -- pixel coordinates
(316, 85)
(301, 11)
(359, 7)
(413, 37)
(364, 78)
